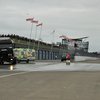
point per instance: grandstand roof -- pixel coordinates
(78, 38)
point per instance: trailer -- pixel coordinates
(24, 54)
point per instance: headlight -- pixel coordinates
(9, 54)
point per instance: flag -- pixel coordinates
(39, 24)
(34, 21)
(63, 37)
(53, 32)
(66, 38)
(29, 19)
(70, 40)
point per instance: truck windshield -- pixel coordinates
(5, 45)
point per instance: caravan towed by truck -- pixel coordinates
(24, 54)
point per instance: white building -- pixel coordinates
(81, 45)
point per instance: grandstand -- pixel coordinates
(43, 50)
(49, 51)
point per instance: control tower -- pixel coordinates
(82, 44)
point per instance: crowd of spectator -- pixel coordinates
(27, 39)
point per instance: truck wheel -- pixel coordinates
(27, 61)
(15, 61)
(61, 59)
(2, 62)
(18, 61)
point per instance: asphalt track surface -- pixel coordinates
(50, 80)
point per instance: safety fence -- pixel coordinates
(40, 45)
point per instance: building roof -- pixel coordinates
(78, 38)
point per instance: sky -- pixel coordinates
(72, 18)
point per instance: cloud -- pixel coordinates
(73, 18)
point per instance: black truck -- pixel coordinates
(6, 51)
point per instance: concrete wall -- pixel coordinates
(84, 58)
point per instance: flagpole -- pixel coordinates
(30, 36)
(30, 19)
(35, 37)
(52, 41)
(40, 31)
(40, 36)
(53, 36)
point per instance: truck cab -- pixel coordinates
(6, 51)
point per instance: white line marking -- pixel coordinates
(13, 74)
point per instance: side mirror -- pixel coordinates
(13, 45)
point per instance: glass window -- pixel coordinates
(22, 53)
(16, 52)
(29, 53)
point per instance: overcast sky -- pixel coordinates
(72, 18)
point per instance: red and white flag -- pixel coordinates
(66, 38)
(39, 24)
(34, 21)
(29, 19)
(53, 32)
(63, 37)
